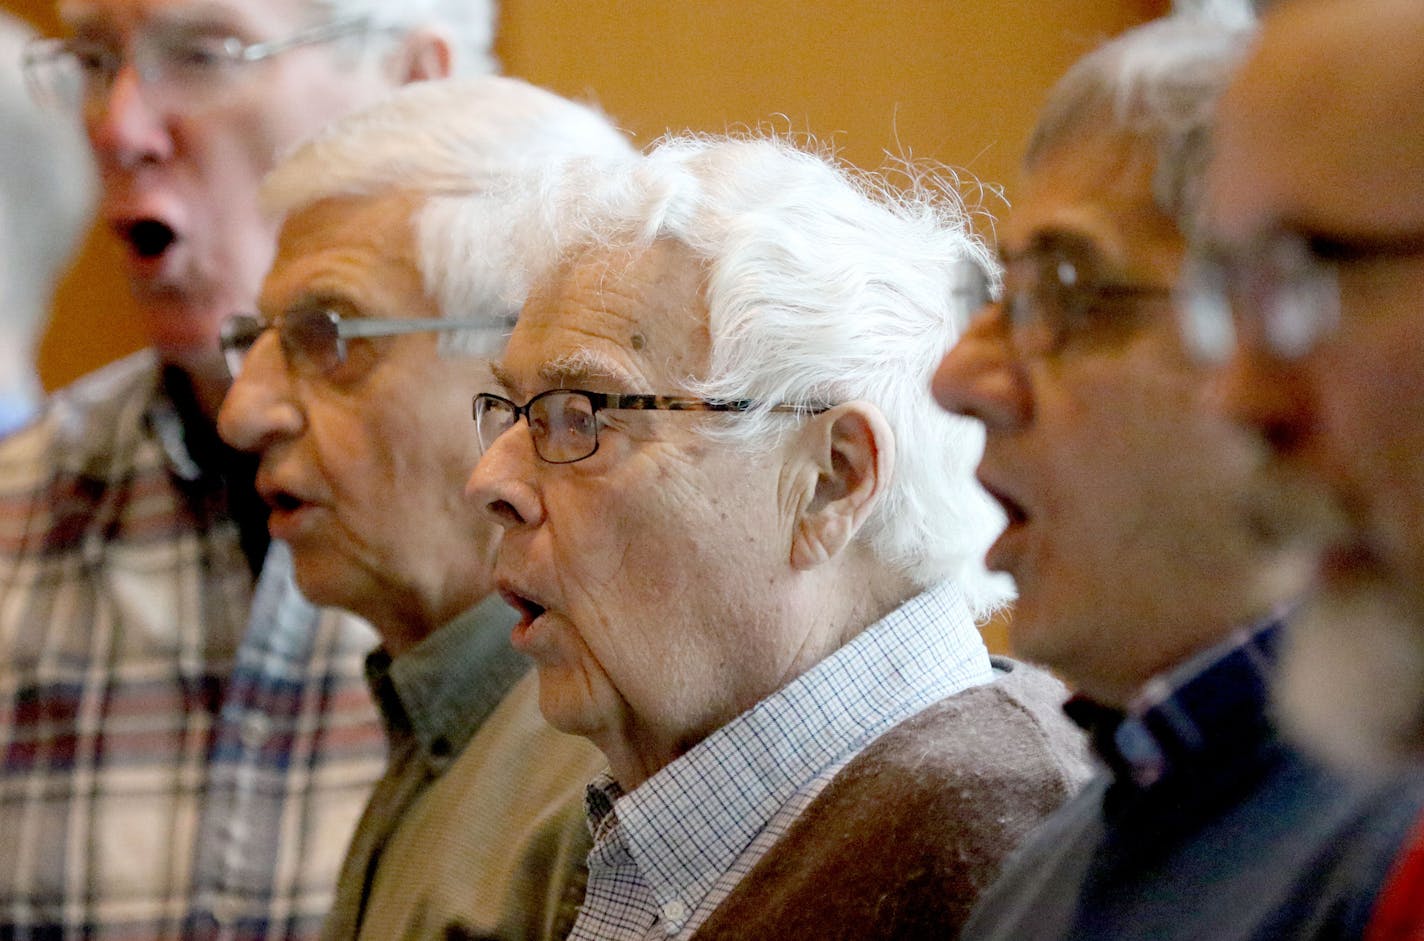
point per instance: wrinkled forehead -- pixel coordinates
(1324, 127)
(614, 319)
(1091, 195)
(255, 17)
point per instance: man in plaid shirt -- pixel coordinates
(184, 752)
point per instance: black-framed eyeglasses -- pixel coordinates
(564, 422)
(1056, 294)
(1278, 295)
(314, 340)
(183, 67)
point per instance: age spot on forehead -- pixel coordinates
(637, 341)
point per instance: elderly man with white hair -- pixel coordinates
(187, 752)
(390, 288)
(744, 548)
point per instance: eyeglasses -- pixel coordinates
(564, 422)
(1279, 296)
(183, 68)
(314, 340)
(1057, 295)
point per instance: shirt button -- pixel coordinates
(674, 912)
(255, 730)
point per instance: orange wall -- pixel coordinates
(955, 81)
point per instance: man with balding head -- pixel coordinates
(1311, 283)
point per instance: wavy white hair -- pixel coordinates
(1159, 82)
(824, 285)
(469, 24)
(461, 143)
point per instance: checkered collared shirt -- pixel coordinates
(178, 758)
(669, 852)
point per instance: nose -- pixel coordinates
(1269, 397)
(982, 377)
(500, 482)
(259, 409)
(125, 130)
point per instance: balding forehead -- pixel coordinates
(1326, 121)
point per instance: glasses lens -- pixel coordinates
(236, 337)
(973, 291)
(1204, 311)
(493, 417)
(311, 340)
(564, 426)
(58, 74)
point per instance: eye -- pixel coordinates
(198, 54)
(580, 422)
(94, 59)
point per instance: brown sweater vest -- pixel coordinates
(906, 836)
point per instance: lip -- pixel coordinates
(1007, 550)
(290, 515)
(124, 212)
(525, 635)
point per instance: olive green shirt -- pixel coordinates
(477, 828)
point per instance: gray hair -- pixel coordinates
(461, 143)
(47, 188)
(824, 285)
(469, 24)
(1159, 82)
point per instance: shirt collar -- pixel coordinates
(442, 689)
(687, 824)
(1214, 700)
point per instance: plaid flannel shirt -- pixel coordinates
(178, 758)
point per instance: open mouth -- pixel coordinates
(1012, 508)
(284, 502)
(149, 238)
(529, 610)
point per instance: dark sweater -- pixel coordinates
(1207, 826)
(904, 838)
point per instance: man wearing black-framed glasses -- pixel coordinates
(743, 546)
(199, 744)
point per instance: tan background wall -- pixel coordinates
(954, 81)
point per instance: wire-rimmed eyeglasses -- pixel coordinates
(1279, 295)
(1057, 293)
(314, 340)
(182, 67)
(564, 422)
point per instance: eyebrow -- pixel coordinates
(574, 369)
(1050, 241)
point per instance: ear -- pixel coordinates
(851, 451)
(424, 54)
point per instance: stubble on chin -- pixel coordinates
(1351, 685)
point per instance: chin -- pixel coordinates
(1351, 686)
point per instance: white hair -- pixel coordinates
(460, 143)
(469, 24)
(1159, 82)
(47, 188)
(824, 285)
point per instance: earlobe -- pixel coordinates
(852, 450)
(425, 54)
